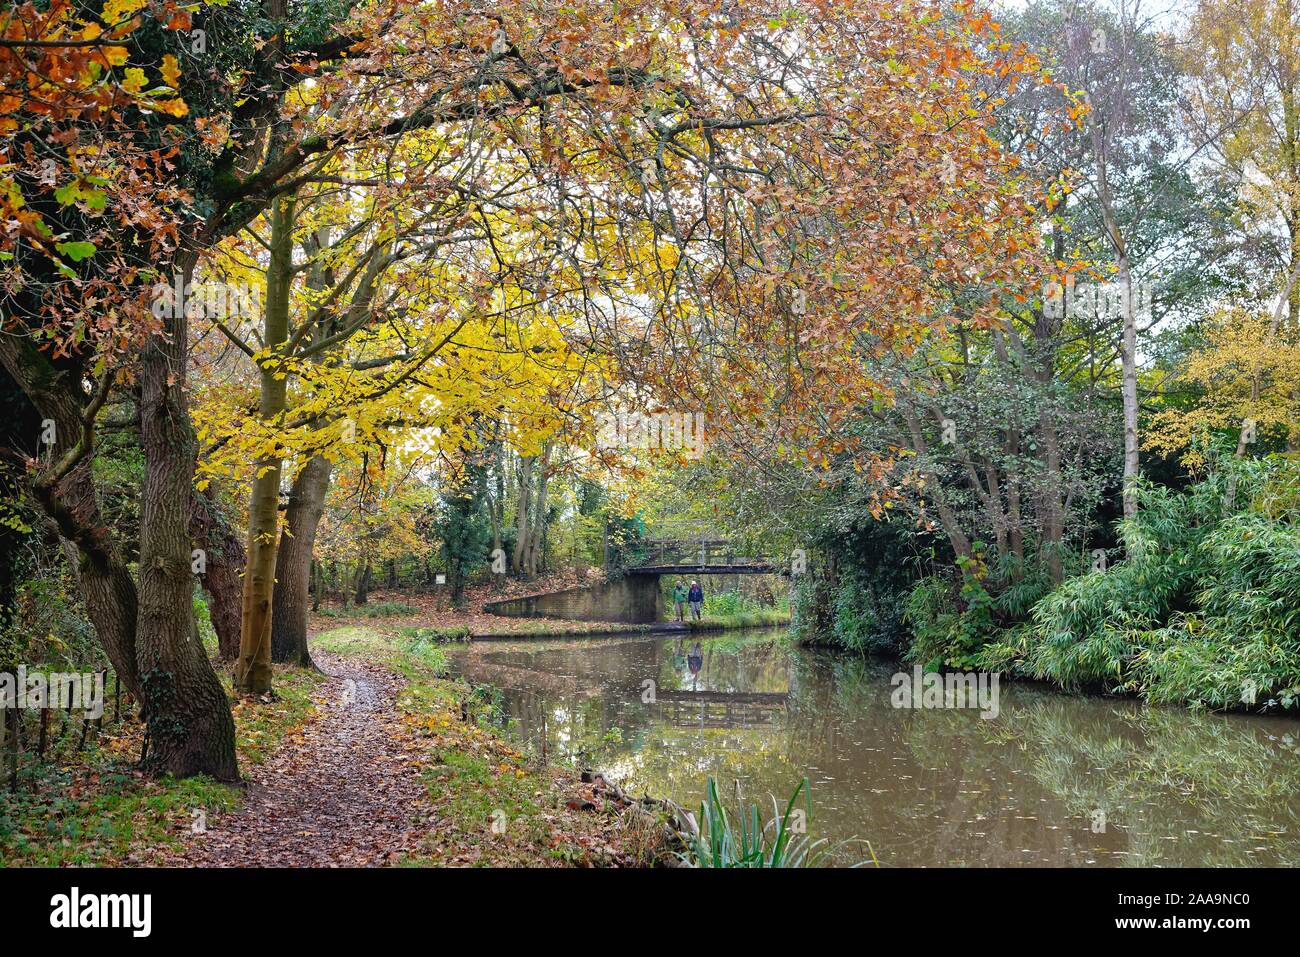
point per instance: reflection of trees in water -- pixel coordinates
(931, 807)
(1161, 774)
(1176, 788)
(985, 808)
(582, 701)
(960, 789)
(925, 787)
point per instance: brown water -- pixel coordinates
(1052, 780)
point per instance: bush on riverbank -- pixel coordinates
(760, 618)
(1204, 609)
(860, 606)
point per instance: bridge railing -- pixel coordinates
(695, 552)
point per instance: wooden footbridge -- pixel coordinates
(697, 556)
(635, 596)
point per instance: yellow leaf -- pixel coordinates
(116, 11)
(176, 107)
(135, 80)
(171, 71)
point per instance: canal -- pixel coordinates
(1052, 779)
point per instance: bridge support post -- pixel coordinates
(643, 595)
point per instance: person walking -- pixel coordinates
(696, 597)
(679, 599)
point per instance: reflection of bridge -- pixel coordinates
(719, 709)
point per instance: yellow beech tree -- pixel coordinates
(366, 341)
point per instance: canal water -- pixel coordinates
(1053, 779)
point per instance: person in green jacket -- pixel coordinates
(679, 599)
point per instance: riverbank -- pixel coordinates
(380, 760)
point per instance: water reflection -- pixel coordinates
(1053, 780)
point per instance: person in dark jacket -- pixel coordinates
(696, 597)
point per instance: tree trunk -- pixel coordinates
(186, 710)
(318, 584)
(518, 562)
(537, 536)
(1053, 510)
(294, 563)
(106, 585)
(1051, 502)
(961, 545)
(499, 501)
(1128, 349)
(222, 576)
(1130, 389)
(253, 672)
(361, 594)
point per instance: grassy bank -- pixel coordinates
(94, 808)
(761, 618)
(396, 618)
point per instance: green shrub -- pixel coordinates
(863, 622)
(726, 603)
(48, 624)
(435, 635)
(951, 622)
(1204, 609)
(203, 619)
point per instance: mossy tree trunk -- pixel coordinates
(186, 710)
